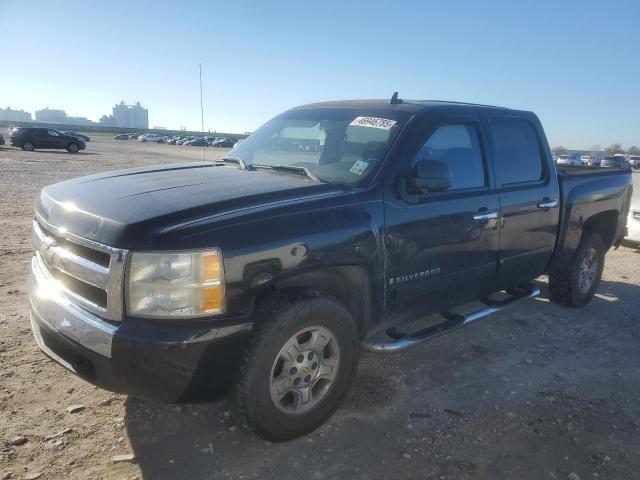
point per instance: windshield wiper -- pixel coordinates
(232, 161)
(298, 171)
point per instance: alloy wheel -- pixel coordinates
(304, 370)
(588, 270)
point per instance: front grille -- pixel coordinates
(95, 256)
(89, 273)
(95, 295)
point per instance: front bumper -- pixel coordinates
(147, 359)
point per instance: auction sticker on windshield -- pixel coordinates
(359, 167)
(374, 122)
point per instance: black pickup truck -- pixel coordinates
(324, 232)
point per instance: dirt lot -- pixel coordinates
(535, 393)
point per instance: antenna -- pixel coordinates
(394, 99)
(204, 148)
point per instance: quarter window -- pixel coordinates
(458, 146)
(516, 150)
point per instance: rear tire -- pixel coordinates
(300, 365)
(576, 284)
(28, 146)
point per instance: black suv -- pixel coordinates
(30, 138)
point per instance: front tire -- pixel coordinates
(72, 148)
(301, 363)
(576, 284)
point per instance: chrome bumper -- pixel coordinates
(50, 306)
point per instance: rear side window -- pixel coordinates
(516, 150)
(458, 146)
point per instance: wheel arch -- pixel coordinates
(349, 284)
(604, 224)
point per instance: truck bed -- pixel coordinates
(590, 194)
(586, 170)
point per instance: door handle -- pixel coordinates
(485, 215)
(548, 203)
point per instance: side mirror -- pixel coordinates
(432, 176)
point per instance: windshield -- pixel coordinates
(337, 145)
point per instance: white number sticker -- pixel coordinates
(374, 122)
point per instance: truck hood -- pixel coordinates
(130, 208)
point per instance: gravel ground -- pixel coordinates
(532, 393)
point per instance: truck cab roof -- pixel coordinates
(406, 105)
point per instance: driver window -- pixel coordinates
(53, 133)
(458, 146)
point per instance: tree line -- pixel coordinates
(613, 149)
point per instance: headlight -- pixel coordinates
(175, 284)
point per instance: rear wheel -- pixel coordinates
(576, 284)
(28, 146)
(72, 148)
(301, 364)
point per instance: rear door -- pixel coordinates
(529, 197)
(442, 248)
(39, 137)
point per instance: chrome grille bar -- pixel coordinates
(58, 257)
(59, 253)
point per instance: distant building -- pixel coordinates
(130, 116)
(79, 121)
(49, 115)
(107, 121)
(9, 115)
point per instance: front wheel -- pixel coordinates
(72, 148)
(576, 284)
(300, 366)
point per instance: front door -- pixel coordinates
(53, 139)
(442, 247)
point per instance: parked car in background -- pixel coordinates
(569, 160)
(585, 159)
(595, 161)
(634, 162)
(198, 142)
(1, 139)
(615, 161)
(122, 136)
(79, 135)
(224, 142)
(633, 223)
(184, 140)
(133, 135)
(30, 138)
(151, 138)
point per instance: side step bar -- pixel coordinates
(403, 340)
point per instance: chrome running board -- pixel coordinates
(401, 340)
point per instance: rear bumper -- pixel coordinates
(150, 360)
